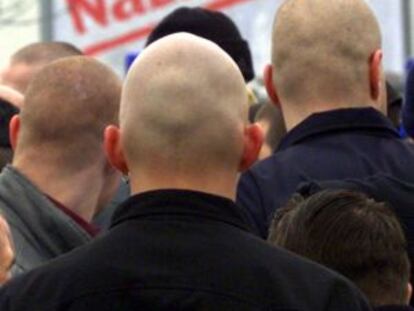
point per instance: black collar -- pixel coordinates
(364, 120)
(173, 202)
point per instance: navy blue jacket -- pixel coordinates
(180, 250)
(397, 194)
(394, 308)
(334, 145)
(407, 113)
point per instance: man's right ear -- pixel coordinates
(113, 149)
(14, 128)
(269, 84)
(253, 140)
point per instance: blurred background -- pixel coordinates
(113, 29)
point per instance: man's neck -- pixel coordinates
(220, 185)
(78, 192)
(294, 117)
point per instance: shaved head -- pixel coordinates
(33, 57)
(67, 106)
(184, 106)
(322, 50)
(11, 96)
(45, 52)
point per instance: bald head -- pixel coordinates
(11, 96)
(322, 50)
(184, 104)
(67, 106)
(30, 59)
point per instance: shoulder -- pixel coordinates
(310, 285)
(43, 288)
(282, 264)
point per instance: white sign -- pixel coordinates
(110, 29)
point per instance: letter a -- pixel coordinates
(125, 9)
(92, 8)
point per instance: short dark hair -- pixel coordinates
(351, 234)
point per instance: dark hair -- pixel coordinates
(277, 129)
(351, 234)
(7, 111)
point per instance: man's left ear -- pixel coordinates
(253, 140)
(113, 149)
(375, 75)
(14, 128)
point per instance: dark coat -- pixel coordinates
(397, 194)
(180, 250)
(339, 144)
(394, 308)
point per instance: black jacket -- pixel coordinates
(334, 145)
(394, 308)
(397, 194)
(180, 250)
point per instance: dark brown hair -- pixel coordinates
(351, 234)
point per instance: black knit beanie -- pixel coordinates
(211, 25)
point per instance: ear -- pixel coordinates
(14, 128)
(375, 74)
(409, 293)
(113, 149)
(269, 84)
(253, 140)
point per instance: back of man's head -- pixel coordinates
(352, 234)
(67, 106)
(30, 59)
(322, 54)
(183, 112)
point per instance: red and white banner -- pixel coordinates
(109, 29)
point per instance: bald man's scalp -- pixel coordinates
(183, 102)
(322, 48)
(67, 106)
(45, 52)
(27, 61)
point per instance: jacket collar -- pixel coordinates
(25, 205)
(173, 202)
(363, 120)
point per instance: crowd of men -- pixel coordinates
(172, 190)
